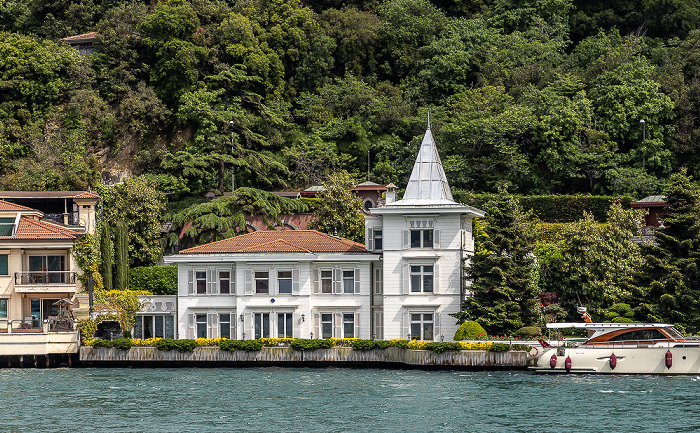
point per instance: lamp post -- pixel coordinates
(644, 139)
(233, 167)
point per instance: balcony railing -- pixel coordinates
(73, 219)
(44, 278)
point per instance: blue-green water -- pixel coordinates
(341, 400)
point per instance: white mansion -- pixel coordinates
(403, 283)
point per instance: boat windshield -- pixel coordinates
(673, 332)
(640, 335)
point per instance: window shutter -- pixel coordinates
(370, 240)
(296, 331)
(378, 289)
(232, 321)
(337, 286)
(215, 282)
(436, 239)
(190, 326)
(213, 325)
(405, 239)
(357, 281)
(338, 325)
(272, 281)
(190, 281)
(295, 281)
(317, 325)
(436, 278)
(232, 284)
(406, 279)
(248, 281)
(210, 277)
(247, 325)
(357, 325)
(317, 276)
(406, 325)
(436, 326)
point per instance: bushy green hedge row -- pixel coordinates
(159, 280)
(553, 208)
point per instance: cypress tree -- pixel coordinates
(672, 272)
(106, 256)
(503, 292)
(121, 256)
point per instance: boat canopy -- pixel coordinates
(606, 326)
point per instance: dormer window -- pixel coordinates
(7, 226)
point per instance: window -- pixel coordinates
(262, 282)
(422, 278)
(349, 281)
(284, 282)
(4, 266)
(158, 326)
(348, 325)
(47, 269)
(422, 326)
(7, 226)
(200, 326)
(326, 325)
(225, 282)
(640, 335)
(262, 324)
(421, 238)
(200, 280)
(3, 308)
(326, 281)
(225, 325)
(284, 325)
(378, 244)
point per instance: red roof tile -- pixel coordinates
(280, 241)
(31, 229)
(86, 194)
(6, 205)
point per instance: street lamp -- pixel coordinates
(233, 167)
(644, 139)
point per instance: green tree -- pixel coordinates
(503, 295)
(121, 256)
(337, 212)
(599, 262)
(671, 272)
(106, 255)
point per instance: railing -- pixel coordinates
(628, 344)
(44, 277)
(73, 219)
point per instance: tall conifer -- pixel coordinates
(106, 256)
(121, 256)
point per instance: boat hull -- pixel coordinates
(637, 360)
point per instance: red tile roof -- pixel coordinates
(6, 205)
(85, 37)
(280, 241)
(87, 194)
(31, 229)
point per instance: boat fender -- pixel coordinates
(613, 361)
(567, 364)
(553, 361)
(537, 352)
(669, 359)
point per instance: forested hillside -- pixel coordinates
(544, 96)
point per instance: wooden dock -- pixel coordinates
(392, 357)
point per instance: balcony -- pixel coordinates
(45, 281)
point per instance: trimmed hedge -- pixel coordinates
(470, 330)
(158, 280)
(553, 208)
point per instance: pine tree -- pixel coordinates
(121, 256)
(106, 256)
(503, 298)
(672, 274)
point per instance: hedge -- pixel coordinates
(159, 280)
(553, 208)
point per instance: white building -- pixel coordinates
(403, 283)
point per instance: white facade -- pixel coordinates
(403, 285)
(246, 296)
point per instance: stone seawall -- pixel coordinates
(392, 357)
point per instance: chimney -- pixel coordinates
(390, 193)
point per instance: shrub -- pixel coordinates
(123, 344)
(166, 344)
(158, 280)
(251, 344)
(529, 332)
(302, 344)
(87, 328)
(469, 331)
(499, 347)
(101, 343)
(370, 344)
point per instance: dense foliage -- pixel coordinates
(158, 280)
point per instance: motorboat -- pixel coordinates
(621, 348)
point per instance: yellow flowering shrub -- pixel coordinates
(486, 345)
(272, 342)
(343, 341)
(144, 342)
(417, 344)
(203, 342)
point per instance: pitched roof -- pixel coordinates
(6, 205)
(45, 194)
(85, 37)
(87, 194)
(651, 201)
(280, 241)
(427, 185)
(31, 229)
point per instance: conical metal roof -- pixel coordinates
(427, 185)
